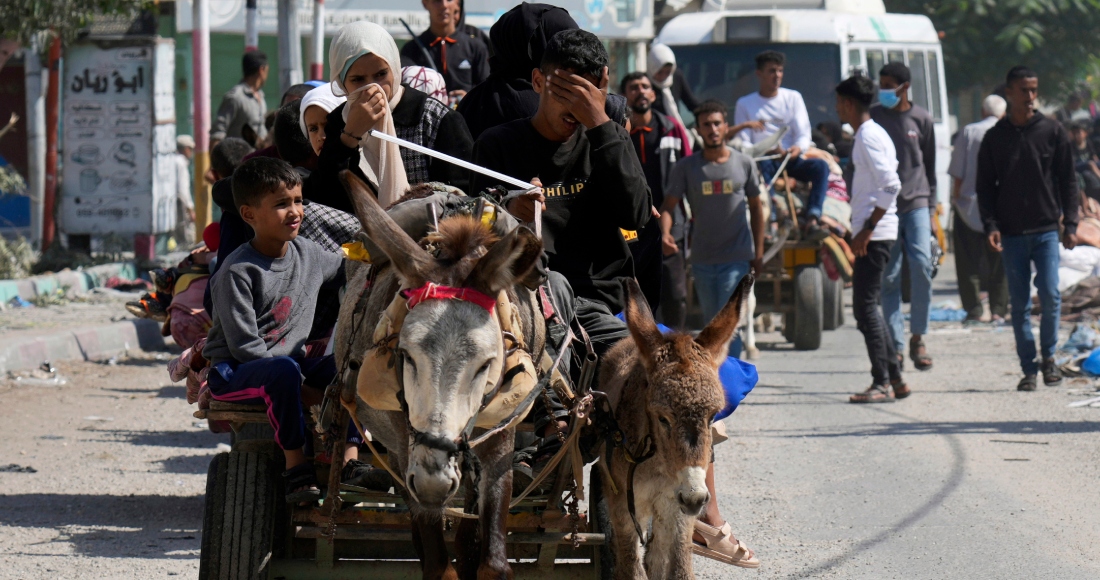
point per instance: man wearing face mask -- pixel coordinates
(912, 130)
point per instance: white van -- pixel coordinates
(825, 41)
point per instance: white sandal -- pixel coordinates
(722, 546)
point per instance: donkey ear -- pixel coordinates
(715, 338)
(639, 319)
(509, 260)
(410, 260)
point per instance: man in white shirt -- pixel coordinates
(874, 192)
(185, 206)
(971, 247)
(777, 107)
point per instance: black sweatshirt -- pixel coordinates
(1025, 178)
(467, 62)
(594, 186)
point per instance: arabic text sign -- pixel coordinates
(107, 135)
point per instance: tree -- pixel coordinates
(982, 39)
(22, 20)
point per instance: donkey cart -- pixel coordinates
(250, 532)
(794, 282)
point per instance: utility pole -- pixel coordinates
(36, 137)
(317, 54)
(200, 62)
(290, 45)
(251, 27)
(53, 97)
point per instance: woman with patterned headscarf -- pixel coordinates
(365, 66)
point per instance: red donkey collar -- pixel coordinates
(430, 291)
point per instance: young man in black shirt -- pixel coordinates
(462, 59)
(1026, 186)
(592, 188)
(592, 184)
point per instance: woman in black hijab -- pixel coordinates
(518, 41)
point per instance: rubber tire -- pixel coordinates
(248, 518)
(832, 293)
(600, 517)
(213, 506)
(808, 304)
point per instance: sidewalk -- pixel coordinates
(91, 323)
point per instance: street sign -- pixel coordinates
(118, 133)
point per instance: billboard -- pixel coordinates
(611, 19)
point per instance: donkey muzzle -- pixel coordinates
(433, 476)
(692, 494)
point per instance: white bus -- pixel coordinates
(824, 41)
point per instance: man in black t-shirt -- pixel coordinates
(461, 59)
(659, 143)
(592, 184)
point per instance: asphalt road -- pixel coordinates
(965, 479)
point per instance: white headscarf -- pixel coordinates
(319, 97)
(659, 56)
(379, 160)
(426, 80)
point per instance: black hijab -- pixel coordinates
(518, 40)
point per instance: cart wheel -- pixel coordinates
(809, 319)
(832, 292)
(213, 506)
(242, 517)
(600, 518)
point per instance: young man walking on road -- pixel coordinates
(777, 107)
(660, 143)
(718, 184)
(875, 188)
(1025, 186)
(971, 247)
(912, 130)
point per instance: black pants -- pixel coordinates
(977, 265)
(603, 328)
(674, 290)
(866, 292)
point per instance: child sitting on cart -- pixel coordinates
(264, 298)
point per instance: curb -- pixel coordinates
(78, 281)
(89, 344)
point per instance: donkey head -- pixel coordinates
(452, 350)
(683, 392)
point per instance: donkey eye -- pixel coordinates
(664, 423)
(484, 368)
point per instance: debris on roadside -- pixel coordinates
(43, 376)
(14, 468)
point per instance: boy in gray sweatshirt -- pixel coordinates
(264, 298)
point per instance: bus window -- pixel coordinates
(855, 62)
(919, 83)
(874, 63)
(934, 76)
(895, 56)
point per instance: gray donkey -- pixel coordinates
(448, 348)
(664, 391)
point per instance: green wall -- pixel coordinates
(225, 71)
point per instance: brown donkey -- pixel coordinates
(664, 391)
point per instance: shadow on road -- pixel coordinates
(190, 439)
(956, 428)
(109, 526)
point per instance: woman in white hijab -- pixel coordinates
(364, 65)
(315, 107)
(669, 83)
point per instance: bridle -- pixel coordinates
(463, 446)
